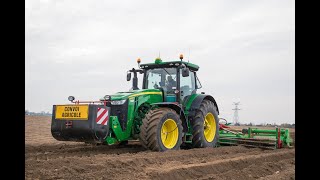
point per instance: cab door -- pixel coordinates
(187, 85)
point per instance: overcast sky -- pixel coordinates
(245, 49)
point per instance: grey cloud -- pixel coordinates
(244, 49)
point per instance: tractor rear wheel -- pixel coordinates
(161, 130)
(205, 126)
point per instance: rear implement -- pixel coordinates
(253, 137)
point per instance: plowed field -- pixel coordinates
(47, 158)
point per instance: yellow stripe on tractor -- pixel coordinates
(144, 93)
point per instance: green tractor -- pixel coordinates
(165, 114)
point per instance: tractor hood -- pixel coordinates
(131, 93)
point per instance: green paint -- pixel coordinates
(136, 99)
(187, 107)
(188, 104)
(286, 138)
(267, 131)
(127, 94)
(116, 128)
(160, 62)
(140, 113)
(121, 135)
(188, 138)
(140, 102)
(265, 136)
(111, 140)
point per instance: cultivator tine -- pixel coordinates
(249, 142)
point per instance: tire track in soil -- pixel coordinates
(154, 165)
(241, 167)
(46, 158)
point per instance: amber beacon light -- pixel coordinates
(181, 56)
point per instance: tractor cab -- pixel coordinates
(176, 79)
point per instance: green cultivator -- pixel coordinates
(254, 137)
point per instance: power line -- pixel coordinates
(236, 115)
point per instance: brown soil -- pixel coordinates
(47, 158)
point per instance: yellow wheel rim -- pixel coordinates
(169, 133)
(210, 127)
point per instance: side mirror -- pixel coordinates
(128, 76)
(185, 72)
(71, 98)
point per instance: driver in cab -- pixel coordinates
(171, 83)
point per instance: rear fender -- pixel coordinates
(197, 102)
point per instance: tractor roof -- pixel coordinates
(160, 64)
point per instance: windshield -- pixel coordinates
(161, 77)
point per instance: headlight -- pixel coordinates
(118, 102)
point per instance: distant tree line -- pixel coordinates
(42, 113)
(283, 125)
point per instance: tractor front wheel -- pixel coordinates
(161, 130)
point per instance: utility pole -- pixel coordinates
(236, 116)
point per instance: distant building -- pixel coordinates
(42, 113)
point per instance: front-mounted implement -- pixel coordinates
(82, 121)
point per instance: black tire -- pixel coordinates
(143, 130)
(150, 130)
(199, 140)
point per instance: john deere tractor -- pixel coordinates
(165, 114)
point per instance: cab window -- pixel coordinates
(187, 85)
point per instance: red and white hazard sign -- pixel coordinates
(102, 116)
